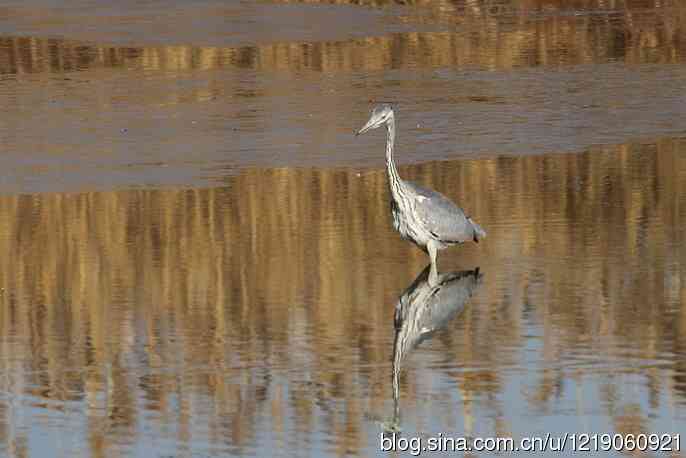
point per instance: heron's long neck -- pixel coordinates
(395, 182)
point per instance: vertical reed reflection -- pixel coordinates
(493, 35)
(173, 316)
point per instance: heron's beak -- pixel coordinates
(366, 127)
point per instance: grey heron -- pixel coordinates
(425, 217)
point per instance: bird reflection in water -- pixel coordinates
(424, 308)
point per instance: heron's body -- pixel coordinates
(428, 216)
(425, 217)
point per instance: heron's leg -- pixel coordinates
(433, 274)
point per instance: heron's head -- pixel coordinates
(380, 116)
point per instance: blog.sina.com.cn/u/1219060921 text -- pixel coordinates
(582, 442)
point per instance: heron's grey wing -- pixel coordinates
(441, 216)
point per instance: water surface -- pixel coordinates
(100, 112)
(197, 254)
(259, 316)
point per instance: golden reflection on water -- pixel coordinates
(213, 318)
(501, 35)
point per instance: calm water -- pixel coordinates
(198, 259)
